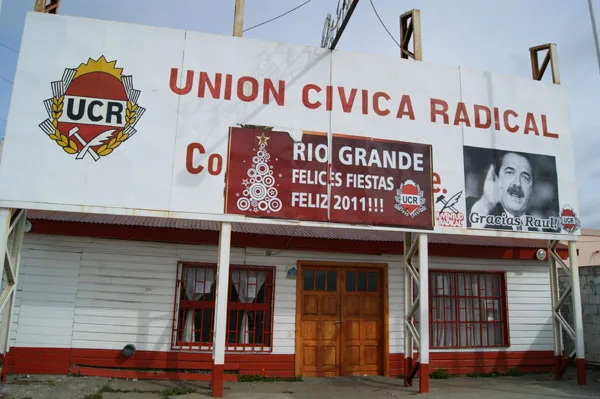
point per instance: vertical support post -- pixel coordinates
(410, 27)
(15, 259)
(408, 299)
(238, 19)
(577, 314)
(220, 316)
(551, 58)
(39, 5)
(423, 314)
(556, 328)
(12, 229)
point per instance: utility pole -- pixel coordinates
(595, 32)
(238, 18)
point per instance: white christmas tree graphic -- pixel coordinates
(260, 194)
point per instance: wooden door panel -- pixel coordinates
(329, 358)
(341, 322)
(329, 332)
(351, 358)
(329, 306)
(320, 331)
(351, 305)
(352, 330)
(371, 306)
(362, 313)
(309, 357)
(309, 330)
(311, 305)
(371, 355)
(371, 332)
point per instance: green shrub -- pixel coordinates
(260, 378)
(440, 374)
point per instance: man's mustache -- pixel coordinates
(516, 190)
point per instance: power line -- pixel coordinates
(382, 24)
(10, 48)
(277, 17)
(594, 31)
(6, 80)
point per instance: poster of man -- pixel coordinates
(510, 190)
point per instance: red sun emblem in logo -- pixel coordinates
(569, 220)
(409, 199)
(93, 109)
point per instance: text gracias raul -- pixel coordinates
(348, 156)
(249, 89)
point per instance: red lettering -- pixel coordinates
(461, 115)
(306, 100)
(329, 98)
(488, 117)
(189, 81)
(442, 111)
(215, 90)
(530, 125)
(437, 181)
(376, 107)
(189, 158)
(215, 164)
(405, 108)
(347, 102)
(241, 89)
(365, 102)
(278, 95)
(513, 128)
(496, 118)
(545, 131)
(228, 84)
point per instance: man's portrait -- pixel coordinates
(510, 190)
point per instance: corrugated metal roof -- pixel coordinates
(279, 230)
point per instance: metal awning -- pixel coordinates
(278, 230)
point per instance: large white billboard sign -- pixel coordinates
(126, 119)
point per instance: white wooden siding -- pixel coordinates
(45, 304)
(96, 293)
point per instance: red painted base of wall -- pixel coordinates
(144, 364)
(461, 363)
(198, 366)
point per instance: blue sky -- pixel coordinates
(486, 35)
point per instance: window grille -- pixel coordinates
(249, 308)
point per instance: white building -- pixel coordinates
(91, 285)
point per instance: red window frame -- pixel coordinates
(468, 332)
(259, 313)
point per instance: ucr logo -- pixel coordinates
(93, 109)
(569, 220)
(409, 199)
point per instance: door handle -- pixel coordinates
(338, 323)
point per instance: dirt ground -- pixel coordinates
(529, 386)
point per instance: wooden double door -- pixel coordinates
(340, 321)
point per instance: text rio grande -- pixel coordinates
(357, 156)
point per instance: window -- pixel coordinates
(467, 310)
(249, 308)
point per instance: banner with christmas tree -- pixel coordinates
(356, 180)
